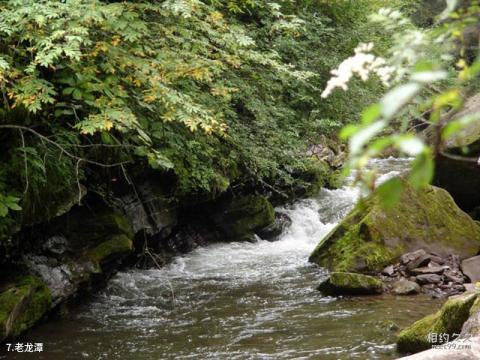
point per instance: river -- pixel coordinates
(237, 301)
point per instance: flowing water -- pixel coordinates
(237, 301)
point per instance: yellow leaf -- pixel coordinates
(108, 124)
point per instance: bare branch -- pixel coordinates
(460, 157)
(61, 147)
(25, 160)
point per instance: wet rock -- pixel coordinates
(379, 236)
(437, 259)
(405, 287)
(94, 242)
(428, 270)
(420, 261)
(340, 283)
(456, 288)
(56, 245)
(428, 279)
(453, 276)
(244, 216)
(273, 231)
(411, 256)
(388, 271)
(149, 210)
(114, 247)
(448, 320)
(62, 280)
(471, 268)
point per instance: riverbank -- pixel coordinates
(238, 300)
(53, 263)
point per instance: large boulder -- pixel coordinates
(148, 209)
(86, 242)
(448, 320)
(471, 268)
(242, 217)
(340, 283)
(372, 237)
(273, 231)
(22, 303)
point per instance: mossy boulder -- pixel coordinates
(342, 283)
(22, 304)
(116, 246)
(86, 227)
(244, 216)
(372, 236)
(448, 320)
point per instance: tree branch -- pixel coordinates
(62, 147)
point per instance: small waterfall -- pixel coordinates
(239, 301)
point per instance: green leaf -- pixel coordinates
(411, 145)
(348, 131)
(364, 135)
(371, 113)
(3, 210)
(395, 99)
(422, 170)
(427, 77)
(14, 207)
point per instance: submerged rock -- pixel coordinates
(244, 216)
(340, 283)
(22, 303)
(371, 237)
(448, 320)
(275, 229)
(405, 287)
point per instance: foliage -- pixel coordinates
(431, 76)
(213, 93)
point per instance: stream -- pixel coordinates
(237, 301)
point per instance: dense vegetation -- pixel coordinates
(209, 93)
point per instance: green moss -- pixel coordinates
(371, 236)
(316, 175)
(22, 305)
(84, 225)
(352, 252)
(245, 215)
(117, 245)
(335, 179)
(448, 320)
(340, 283)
